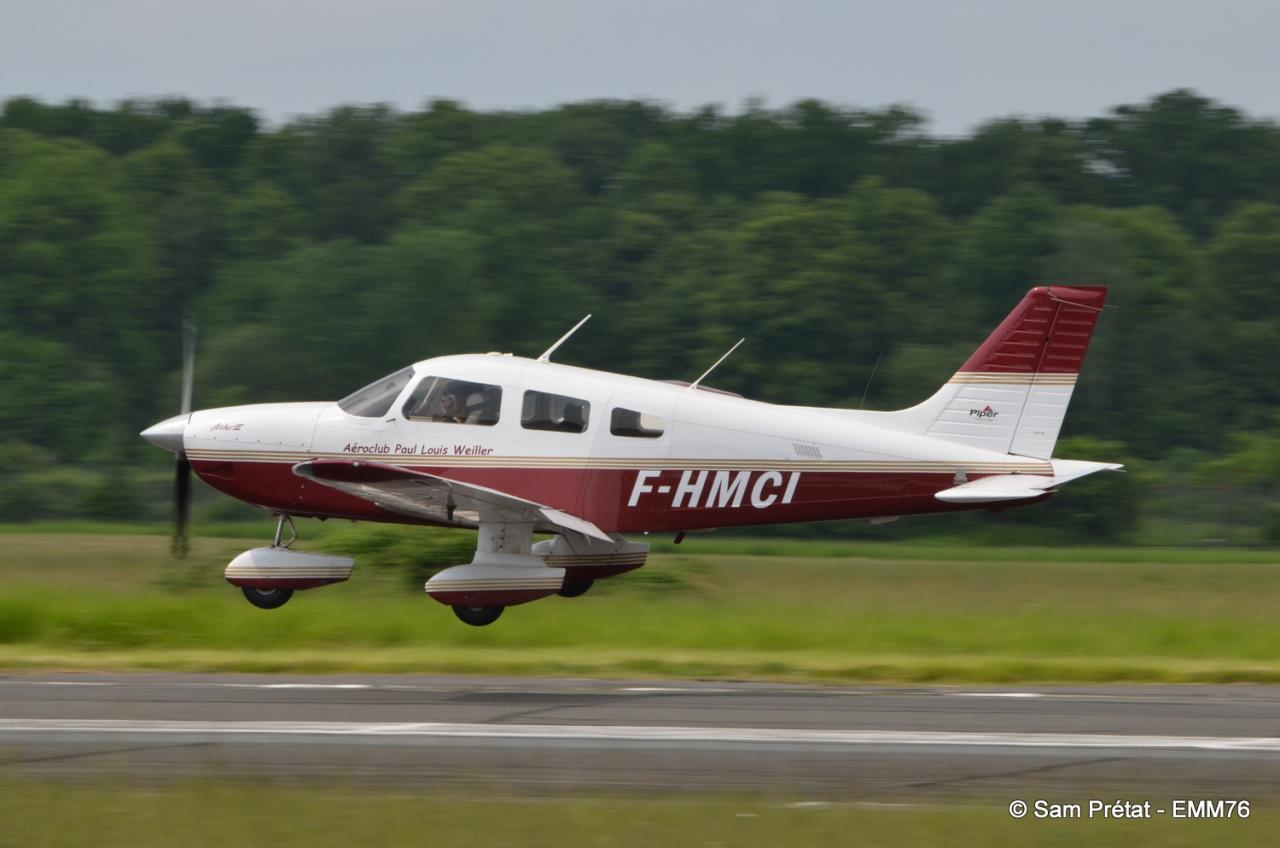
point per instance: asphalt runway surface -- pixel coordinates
(530, 735)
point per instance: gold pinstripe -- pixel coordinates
(998, 378)
(600, 564)
(628, 464)
(491, 585)
(555, 560)
(275, 572)
(286, 569)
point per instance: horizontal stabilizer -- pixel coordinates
(1066, 470)
(998, 487)
(1017, 487)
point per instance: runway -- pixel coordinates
(530, 735)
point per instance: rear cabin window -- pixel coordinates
(375, 399)
(448, 401)
(637, 425)
(545, 411)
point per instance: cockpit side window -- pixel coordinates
(375, 399)
(545, 411)
(448, 401)
(639, 425)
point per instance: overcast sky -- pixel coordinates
(961, 61)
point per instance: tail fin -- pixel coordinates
(1011, 395)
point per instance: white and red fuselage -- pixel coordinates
(708, 459)
(516, 446)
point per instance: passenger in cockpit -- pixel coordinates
(483, 407)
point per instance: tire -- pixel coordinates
(266, 598)
(575, 588)
(478, 616)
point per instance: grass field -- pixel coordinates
(872, 613)
(221, 814)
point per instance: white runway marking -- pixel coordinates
(997, 694)
(677, 690)
(145, 682)
(652, 689)
(300, 685)
(639, 733)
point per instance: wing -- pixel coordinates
(439, 498)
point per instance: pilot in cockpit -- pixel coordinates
(451, 409)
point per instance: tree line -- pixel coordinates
(318, 254)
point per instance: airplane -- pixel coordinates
(514, 447)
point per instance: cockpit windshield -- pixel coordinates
(375, 399)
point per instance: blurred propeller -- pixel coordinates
(181, 465)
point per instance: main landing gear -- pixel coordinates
(575, 588)
(481, 616)
(478, 616)
(509, 569)
(266, 598)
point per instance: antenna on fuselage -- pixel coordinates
(695, 383)
(546, 356)
(870, 377)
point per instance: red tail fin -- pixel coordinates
(1011, 395)
(1047, 333)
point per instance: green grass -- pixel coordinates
(86, 601)
(938, 548)
(237, 816)
(261, 528)
(958, 550)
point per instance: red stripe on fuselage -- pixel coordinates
(602, 496)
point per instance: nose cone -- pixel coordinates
(168, 433)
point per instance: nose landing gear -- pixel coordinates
(269, 576)
(273, 597)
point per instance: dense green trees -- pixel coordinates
(320, 253)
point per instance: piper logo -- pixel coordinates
(985, 412)
(715, 490)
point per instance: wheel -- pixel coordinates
(266, 598)
(574, 588)
(478, 616)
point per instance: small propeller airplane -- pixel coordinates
(515, 446)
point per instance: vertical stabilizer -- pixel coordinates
(1011, 395)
